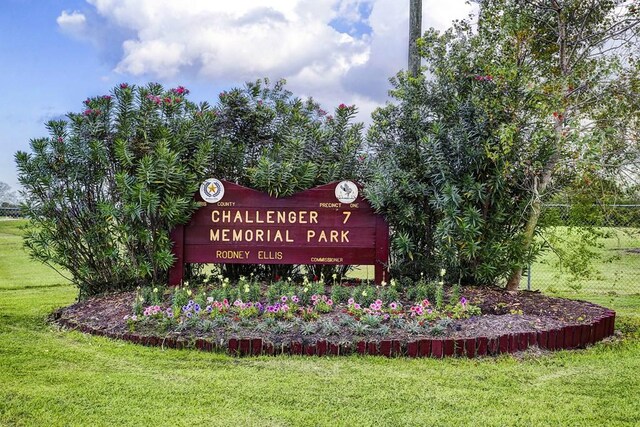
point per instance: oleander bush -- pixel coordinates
(104, 189)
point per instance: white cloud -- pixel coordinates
(248, 39)
(73, 23)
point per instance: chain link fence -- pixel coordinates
(10, 212)
(590, 249)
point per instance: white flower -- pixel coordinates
(334, 276)
(442, 272)
(155, 290)
(383, 283)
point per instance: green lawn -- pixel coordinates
(617, 272)
(52, 377)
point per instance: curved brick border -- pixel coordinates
(568, 337)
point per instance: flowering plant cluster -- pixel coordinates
(322, 303)
(366, 306)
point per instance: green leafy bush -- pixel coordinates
(104, 189)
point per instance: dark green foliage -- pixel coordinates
(340, 294)
(106, 187)
(269, 140)
(448, 182)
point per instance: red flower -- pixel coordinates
(60, 139)
(88, 111)
(180, 90)
(278, 278)
(107, 97)
(123, 85)
(315, 278)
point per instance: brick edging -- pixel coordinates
(567, 337)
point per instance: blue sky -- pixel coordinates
(56, 53)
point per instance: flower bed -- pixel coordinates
(481, 322)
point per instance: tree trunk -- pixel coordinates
(540, 185)
(415, 27)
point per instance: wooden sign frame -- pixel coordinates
(246, 226)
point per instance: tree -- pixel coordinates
(583, 51)
(108, 185)
(7, 195)
(499, 121)
(104, 189)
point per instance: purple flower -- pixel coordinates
(284, 298)
(351, 301)
(393, 306)
(295, 299)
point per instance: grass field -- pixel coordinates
(53, 377)
(616, 272)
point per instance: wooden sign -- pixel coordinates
(330, 224)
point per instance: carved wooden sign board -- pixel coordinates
(329, 224)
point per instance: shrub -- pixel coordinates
(107, 185)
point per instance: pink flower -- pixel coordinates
(123, 85)
(284, 298)
(60, 139)
(393, 306)
(329, 302)
(350, 301)
(88, 112)
(107, 97)
(342, 106)
(180, 90)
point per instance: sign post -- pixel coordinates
(330, 224)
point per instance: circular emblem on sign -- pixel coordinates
(212, 190)
(346, 192)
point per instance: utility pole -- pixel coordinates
(415, 28)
